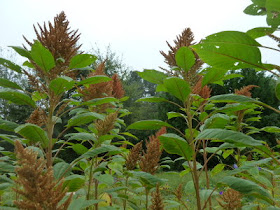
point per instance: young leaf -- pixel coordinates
(148, 125)
(99, 150)
(213, 75)
(153, 76)
(273, 11)
(175, 144)
(61, 84)
(83, 119)
(216, 121)
(177, 87)
(99, 101)
(33, 133)
(8, 84)
(217, 169)
(232, 98)
(254, 9)
(260, 32)
(16, 97)
(10, 65)
(81, 61)
(74, 182)
(61, 169)
(42, 56)
(230, 50)
(185, 58)
(247, 187)
(233, 137)
(94, 80)
(81, 136)
(23, 52)
(79, 149)
(152, 99)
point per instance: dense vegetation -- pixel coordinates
(84, 132)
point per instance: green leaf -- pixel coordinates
(273, 13)
(61, 169)
(10, 65)
(147, 179)
(254, 9)
(81, 136)
(171, 115)
(227, 153)
(79, 149)
(82, 119)
(33, 133)
(6, 167)
(8, 84)
(81, 203)
(153, 76)
(99, 101)
(61, 84)
(23, 52)
(213, 75)
(16, 97)
(81, 61)
(148, 125)
(217, 169)
(94, 80)
(216, 121)
(99, 150)
(174, 144)
(247, 187)
(74, 182)
(234, 137)
(185, 58)
(230, 50)
(232, 98)
(177, 87)
(152, 99)
(7, 125)
(105, 178)
(260, 32)
(42, 56)
(28, 64)
(271, 129)
(37, 96)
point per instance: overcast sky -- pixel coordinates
(136, 30)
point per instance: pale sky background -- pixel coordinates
(136, 30)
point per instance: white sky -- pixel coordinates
(136, 30)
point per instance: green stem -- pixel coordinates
(90, 179)
(206, 172)
(147, 198)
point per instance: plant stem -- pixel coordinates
(147, 198)
(90, 179)
(206, 172)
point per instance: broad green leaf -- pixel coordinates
(105, 178)
(233, 137)
(7, 125)
(247, 187)
(79, 149)
(175, 144)
(213, 75)
(152, 99)
(74, 182)
(28, 64)
(61, 169)
(6, 167)
(23, 52)
(148, 125)
(260, 32)
(227, 153)
(232, 98)
(273, 13)
(216, 121)
(230, 50)
(37, 96)
(147, 179)
(10, 65)
(103, 149)
(33, 133)
(177, 87)
(94, 80)
(81, 136)
(83, 119)
(271, 129)
(42, 56)
(153, 76)
(171, 115)
(217, 169)
(61, 84)
(81, 61)
(8, 84)
(254, 9)
(185, 58)
(99, 101)
(16, 97)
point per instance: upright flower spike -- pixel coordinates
(134, 156)
(39, 188)
(150, 160)
(245, 91)
(60, 41)
(157, 201)
(118, 91)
